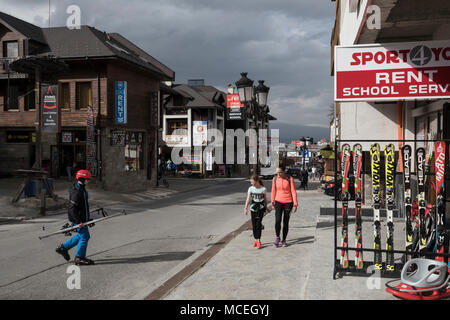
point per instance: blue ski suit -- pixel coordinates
(78, 213)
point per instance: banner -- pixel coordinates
(50, 112)
(396, 71)
(200, 133)
(235, 109)
(121, 102)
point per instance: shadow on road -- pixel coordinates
(161, 257)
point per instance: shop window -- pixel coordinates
(84, 95)
(65, 95)
(10, 49)
(28, 98)
(174, 124)
(12, 99)
(134, 152)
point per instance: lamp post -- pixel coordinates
(255, 102)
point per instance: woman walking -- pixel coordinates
(284, 200)
(257, 198)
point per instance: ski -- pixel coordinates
(389, 153)
(420, 171)
(406, 158)
(345, 166)
(357, 163)
(376, 172)
(439, 151)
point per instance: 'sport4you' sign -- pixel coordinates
(393, 71)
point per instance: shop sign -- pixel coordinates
(396, 71)
(235, 109)
(18, 136)
(121, 102)
(173, 140)
(91, 145)
(50, 116)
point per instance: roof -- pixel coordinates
(90, 42)
(28, 30)
(203, 96)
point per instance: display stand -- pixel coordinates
(368, 267)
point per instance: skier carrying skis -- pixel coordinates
(78, 216)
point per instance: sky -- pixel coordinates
(284, 42)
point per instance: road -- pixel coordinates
(134, 254)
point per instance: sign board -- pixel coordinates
(292, 154)
(121, 102)
(209, 161)
(66, 137)
(91, 145)
(118, 138)
(50, 112)
(396, 71)
(173, 140)
(200, 133)
(235, 109)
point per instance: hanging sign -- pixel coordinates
(91, 145)
(50, 112)
(121, 102)
(235, 109)
(396, 71)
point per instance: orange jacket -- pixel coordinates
(282, 192)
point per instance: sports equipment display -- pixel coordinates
(420, 167)
(357, 163)
(440, 201)
(389, 153)
(345, 195)
(406, 158)
(376, 180)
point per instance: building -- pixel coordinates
(100, 70)
(404, 22)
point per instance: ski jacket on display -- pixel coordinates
(283, 190)
(78, 204)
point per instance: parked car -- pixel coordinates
(330, 187)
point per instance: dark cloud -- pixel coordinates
(285, 42)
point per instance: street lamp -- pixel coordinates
(245, 88)
(262, 92)
(255, 99)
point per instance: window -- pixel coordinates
(174, 124)
(65, 95)
(28, 98)
(12, 101)
(84, 95)
(10, 49)
(134, 152)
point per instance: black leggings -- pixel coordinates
(257, 217)
(282, 212)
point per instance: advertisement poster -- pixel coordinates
(200, 133)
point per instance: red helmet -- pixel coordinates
(83, 174)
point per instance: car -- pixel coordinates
(330, 187)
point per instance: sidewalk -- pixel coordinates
(303, 270)
(99, 197)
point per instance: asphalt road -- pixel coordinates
(134, 254)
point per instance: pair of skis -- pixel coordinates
(375, 155)
(346, 157)
(427, 229)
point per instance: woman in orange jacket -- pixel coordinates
(284, 200)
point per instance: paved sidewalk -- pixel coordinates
(303, 270)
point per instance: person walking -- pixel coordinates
(79, 216)
(284, 200)
(257, 198)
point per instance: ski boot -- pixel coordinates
(83, 261)
(63, 251)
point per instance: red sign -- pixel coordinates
(233, 101)
(399, 71)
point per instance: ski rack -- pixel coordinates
(368, 269)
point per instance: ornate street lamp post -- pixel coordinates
(255, 101)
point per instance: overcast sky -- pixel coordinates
(284, 42)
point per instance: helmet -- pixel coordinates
(85, 174)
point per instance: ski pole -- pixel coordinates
(88, 223)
